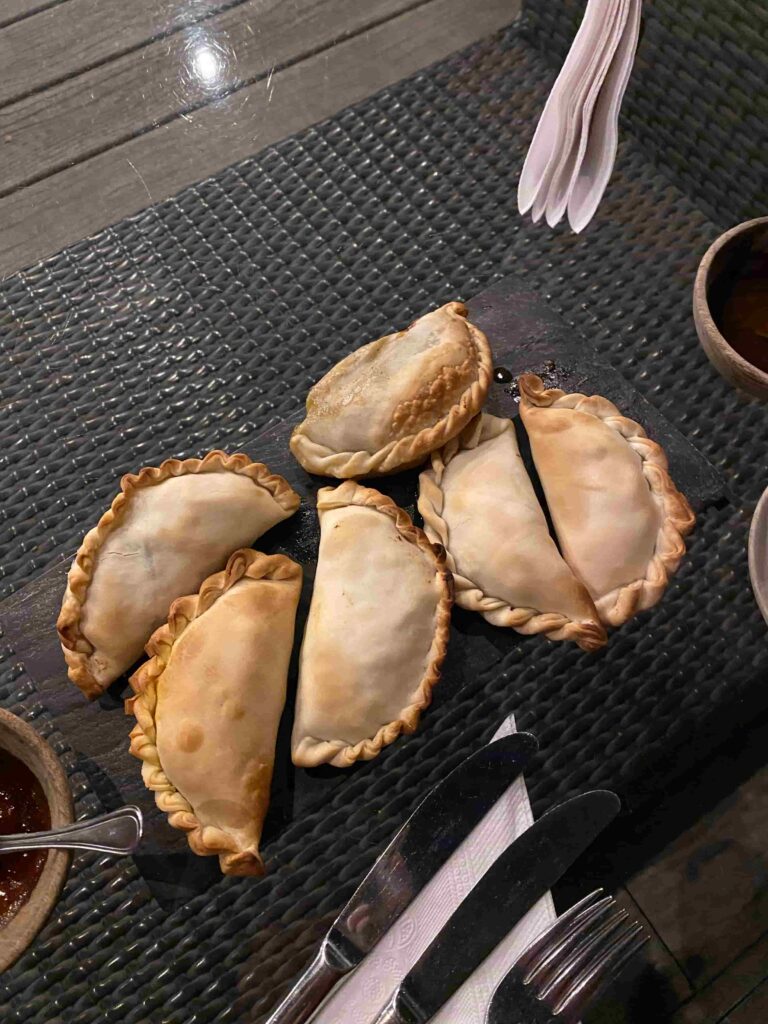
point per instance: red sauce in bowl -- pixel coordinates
(23, 808)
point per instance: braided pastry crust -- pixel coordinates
(485, 514)
(387, 405)
(377, 631)
(621, 521)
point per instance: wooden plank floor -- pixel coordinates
(704, 898)
(14, 10)
(99, 108)
(107, 106)
(70, 38)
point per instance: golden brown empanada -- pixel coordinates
(170, 527)
(478, 502)
(377, 630)
(209, 702)
(388, 405)
(619, 518)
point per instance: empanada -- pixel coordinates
(209, 702)
(478, 502)
(619, 519)
(169, 528)
(377, 630)
(388, 405)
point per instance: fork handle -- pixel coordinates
(117, 832)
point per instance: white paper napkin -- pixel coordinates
(573, 151)
(359, 999)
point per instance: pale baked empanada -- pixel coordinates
(209, 703)
(619, 518)
(478, 502)
(377, 630)
(388, 405)
(169, 528)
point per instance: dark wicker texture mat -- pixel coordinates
(526, 335)
(197, 322)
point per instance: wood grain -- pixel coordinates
(79, 201)
(13, 10)
(110, 104)
(708, 896)
(714, 1002)
(717, 260)
(68, 38)
(753, 1009)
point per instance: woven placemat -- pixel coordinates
(197, 322)
(526, 334)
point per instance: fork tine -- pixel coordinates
(598, 974)
(577, 958)
(554, 933)
(581, 926)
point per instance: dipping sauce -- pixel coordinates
(739, 303)
(23, 808)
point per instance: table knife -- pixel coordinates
(443, 819)
(519, 877)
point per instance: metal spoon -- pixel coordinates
(116, 832)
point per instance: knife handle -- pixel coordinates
(308, 992)
(390, 1015)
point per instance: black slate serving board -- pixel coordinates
(525, 334)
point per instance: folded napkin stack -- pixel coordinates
(573, 151)
(359, 999)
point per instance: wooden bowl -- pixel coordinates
(23, 742)
(734, 367)
(758, 554)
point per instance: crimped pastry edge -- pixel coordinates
(407, 451)
(203, 840)
(589, 635)
(76, 647)
(678, 519)
(312, 751)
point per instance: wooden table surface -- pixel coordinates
(108, 106)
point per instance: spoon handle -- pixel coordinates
(116, 832)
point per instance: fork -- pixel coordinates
(566, 967)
